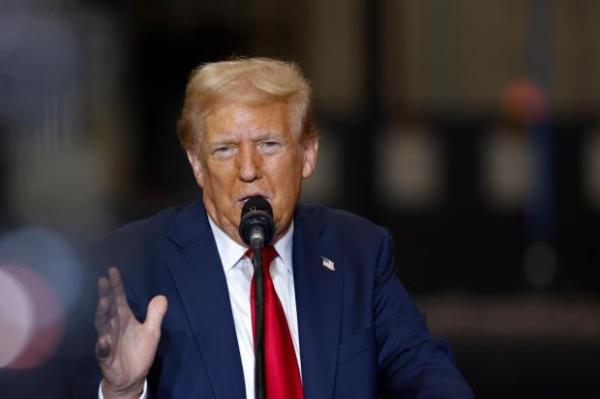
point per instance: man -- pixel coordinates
(350, 328)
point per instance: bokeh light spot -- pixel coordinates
(16, 318)
(31, 318)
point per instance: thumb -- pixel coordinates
(156, 311)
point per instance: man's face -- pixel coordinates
(248, 150)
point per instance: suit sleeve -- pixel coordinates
(412, 363)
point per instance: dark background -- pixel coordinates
(469, 129)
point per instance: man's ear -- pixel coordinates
(310, 149)
(196, 165)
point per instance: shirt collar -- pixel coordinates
(231, 252)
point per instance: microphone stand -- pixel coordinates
(259, 320)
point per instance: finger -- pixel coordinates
(103, 347)
(116, 284)
(101, 321)
(156, 312)
(103, 287)
(104, 300)
(105, 291)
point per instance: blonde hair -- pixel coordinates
(252, 81)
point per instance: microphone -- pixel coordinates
(256, 230)
(256, 222)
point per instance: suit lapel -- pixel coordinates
(318, 303)
(200, 281)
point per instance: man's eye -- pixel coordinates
(270, 145)
(221, 151)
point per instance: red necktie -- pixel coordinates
(281, 367)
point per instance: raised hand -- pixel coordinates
(125, 348)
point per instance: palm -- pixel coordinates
(125, 348)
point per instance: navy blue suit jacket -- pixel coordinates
(361, 336)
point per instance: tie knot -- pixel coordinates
(268, 253)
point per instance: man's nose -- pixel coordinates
(250, 163)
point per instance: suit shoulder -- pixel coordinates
(153, 226)
(342, 222)
(135, 240)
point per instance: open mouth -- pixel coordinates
(242, 200)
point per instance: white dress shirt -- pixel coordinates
(238, 273)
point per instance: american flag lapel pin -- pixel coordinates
(328, 263)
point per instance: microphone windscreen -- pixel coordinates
(257, 214)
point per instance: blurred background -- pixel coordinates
(471, 129)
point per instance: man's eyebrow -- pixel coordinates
(224, 140)
(232, 140)
(267, 135)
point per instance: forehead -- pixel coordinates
(237, 118)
